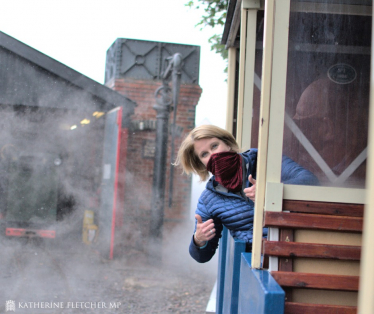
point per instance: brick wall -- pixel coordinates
(138, 174)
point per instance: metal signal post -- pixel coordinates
(165, 98)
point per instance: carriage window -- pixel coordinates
(327, 91)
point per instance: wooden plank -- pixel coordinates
(312, 250)
(308, 308)
(312, 221)
(316, 281)
(324, 208)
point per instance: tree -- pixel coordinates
(215, 14)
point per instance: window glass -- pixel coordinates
(327, 91)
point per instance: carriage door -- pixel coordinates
(314, 109)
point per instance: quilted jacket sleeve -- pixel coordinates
(204, 254)
(293, 173)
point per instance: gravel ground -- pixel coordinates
(48, 278)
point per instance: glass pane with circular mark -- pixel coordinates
(327, 89)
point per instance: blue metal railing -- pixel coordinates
(221, 271)
(259, 293)
(241, 289)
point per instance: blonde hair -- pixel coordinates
(187, 157)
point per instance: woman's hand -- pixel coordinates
(251, 191)
(205, 231)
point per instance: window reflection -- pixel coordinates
(327, 93)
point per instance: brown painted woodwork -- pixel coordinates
(323, 208)
(265, 263)
(285, 264)
(312, 250)
(312, 221)
(316, 281)
(308, 308)
(314, 216)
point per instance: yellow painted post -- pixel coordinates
(89, 230)
(230, 89)
(247, 69)
(274, 189)
(273, 94)
(278, 90)
(366, 289)
(263, 132)
(243, 35)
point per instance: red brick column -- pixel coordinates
(139, 162)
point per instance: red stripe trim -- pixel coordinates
(20, 232)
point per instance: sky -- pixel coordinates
(78, 33)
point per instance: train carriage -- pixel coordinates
(299, 79)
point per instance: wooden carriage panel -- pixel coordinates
(312, 250)
(330, 218)
(312, 221)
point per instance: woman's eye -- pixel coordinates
(214, 146)
(203, 155)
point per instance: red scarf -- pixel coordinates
(227, 169)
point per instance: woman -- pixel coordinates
(229, 194)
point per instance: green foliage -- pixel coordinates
(215, 11)
(215, 42)
(214, 14)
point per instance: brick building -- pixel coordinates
(134, 68)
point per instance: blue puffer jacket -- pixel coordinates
(236, 212)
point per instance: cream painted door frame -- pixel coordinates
(272, 111)
(269, 162)
(246, 72)
(366, 288)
